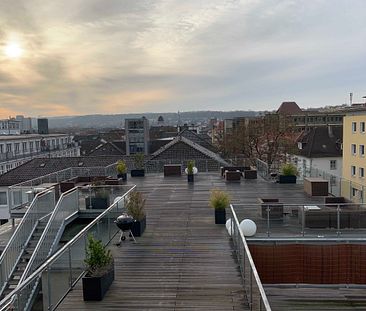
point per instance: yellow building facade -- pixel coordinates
(354, 158)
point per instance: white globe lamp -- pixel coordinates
(248, 227)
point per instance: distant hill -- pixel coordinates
(117, 120)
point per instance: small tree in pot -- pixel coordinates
(100, 270)
(121, 170)
(288, 174)
(219, 200)
(139, 160)
(136, 208)
(190, 166)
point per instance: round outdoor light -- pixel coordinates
(248, 227)
(228, 224)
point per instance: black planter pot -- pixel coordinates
(122, 176)
(138, 227)
(287, 179)
(220, 216)
(94, 288)
(137, 173)
(96, 203)
(190, 178)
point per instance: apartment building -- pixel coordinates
(137, 135)
(354, 161)
(18, 149)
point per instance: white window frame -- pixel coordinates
(361, 172)
(353, 149)
(362, 150)
(353, 170)
(362, 127)
(354, 127)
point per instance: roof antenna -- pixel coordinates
(350, 98)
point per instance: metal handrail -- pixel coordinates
(48, 262)
(263, 298)
(46, 242)
(14, 248)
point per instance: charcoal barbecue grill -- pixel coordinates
(124, 223)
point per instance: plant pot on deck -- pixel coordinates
(220, 216)
(95, 287)
(138, 227)
(122, 176)
(190, 178)
(138, 173)
(287, 179)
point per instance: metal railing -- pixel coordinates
(42, 204)
(256, 295)
(67, 205)
(60, 272)
(312, 220)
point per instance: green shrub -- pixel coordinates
(190, 166)
(98, 259)
(219, 199)
(136, 205)
(121, 167)
(139, 159)
(288, 169)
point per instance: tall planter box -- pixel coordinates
(122, 176)
(284, 179)
(138, 227)
(220, 216)
(97, 203)
(190, 178)
(137, 173)
(94, 288)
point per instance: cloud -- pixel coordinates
(93, 56)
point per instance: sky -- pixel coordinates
(76, 57)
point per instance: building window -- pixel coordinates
(353, 149)
(354, 127)
(8, 147)
(24, 145)
(333, 164)
(362, 150)
(353, 170)
(362, 127)
(361, 172)
(354, 192)
(3, 198)
(16, 147)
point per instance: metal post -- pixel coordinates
(70, 268)
(303, 221)
(268, 210)
(109, 226)
(338, 220)
(251, 289)
(49, 289)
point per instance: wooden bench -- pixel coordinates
(172, 170)
(232, 175)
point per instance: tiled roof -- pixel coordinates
(289, 108)
(198, 139)
(44, 166)
(110, 148)
(321, 142)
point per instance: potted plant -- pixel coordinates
(100, 199)
(219, 200)
(190, 166)
(121, 170)
(288, 174)
(100, 270)
(136, 208)
(139, 170)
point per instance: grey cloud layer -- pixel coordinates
(95, 56)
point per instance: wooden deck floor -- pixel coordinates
(182, 262)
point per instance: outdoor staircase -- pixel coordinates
(24, 258)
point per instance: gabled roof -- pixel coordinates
(288, 108)
(198, 139)
(186, 149)
(110, 148)
(321, 142)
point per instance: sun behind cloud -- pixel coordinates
(13, 50)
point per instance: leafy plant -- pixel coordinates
(219, 199)
(289, 169)
(139, 159)
(98, 259)
(121, 167)
(136, 205)
(190, 166)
